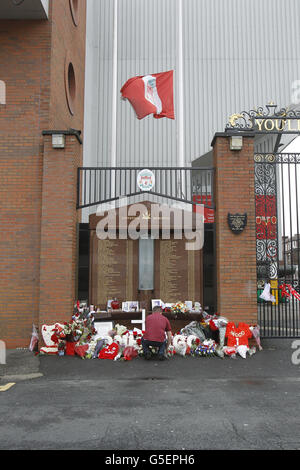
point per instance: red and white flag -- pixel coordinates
(151, 94)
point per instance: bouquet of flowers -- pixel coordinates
(79, 330)
(205, 349)
(179, 307)
(193, 343)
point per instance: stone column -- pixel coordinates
(235, 253)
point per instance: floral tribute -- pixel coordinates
(212, 335)
(179, 308)
(71, 337)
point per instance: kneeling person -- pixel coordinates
(157, 326)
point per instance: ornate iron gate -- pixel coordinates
(278, 243)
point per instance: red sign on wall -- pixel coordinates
(266, 218)
(209, 214)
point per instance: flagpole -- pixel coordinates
(180, 108)
(114, 96)
(180, 120)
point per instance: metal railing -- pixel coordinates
(277, 208)
(98, 185)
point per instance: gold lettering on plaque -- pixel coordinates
(111, 270)
(237, 222)
(172, 270)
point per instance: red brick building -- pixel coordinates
(42, 62)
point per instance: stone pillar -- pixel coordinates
(58, 258)
(235, 253)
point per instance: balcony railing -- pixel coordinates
(98, 185)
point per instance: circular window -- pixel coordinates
(70, 84)
(74, 6)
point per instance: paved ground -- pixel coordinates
(183, 403)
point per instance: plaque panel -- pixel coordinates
(180, 276)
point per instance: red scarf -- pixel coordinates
(285, 293)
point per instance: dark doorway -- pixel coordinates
(209, 284)
(83, 262)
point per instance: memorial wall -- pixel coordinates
(114, 270)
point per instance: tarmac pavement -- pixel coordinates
(179, 404)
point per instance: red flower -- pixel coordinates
(54, 338)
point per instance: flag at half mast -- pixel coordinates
(151, 94)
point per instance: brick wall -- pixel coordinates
(24, 51)
(32, 64)
(68, 45)
(235, 253)
(59, 231)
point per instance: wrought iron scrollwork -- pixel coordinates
(288, 158)
(266, 219)
(265, 179)
(245, 120)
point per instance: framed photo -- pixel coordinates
(102, 329)
(133, 306)
(125, 306)
(157, 303)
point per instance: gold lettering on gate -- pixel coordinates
(259, 122)
(274, 120)
(272, 125)
(280, 125)
(283, 123)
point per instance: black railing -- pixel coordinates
(278, 241)
(98, 185)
